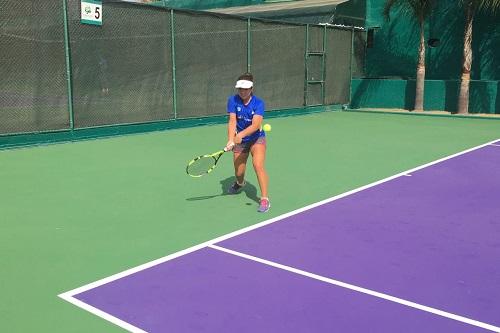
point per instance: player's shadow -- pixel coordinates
(249, 189)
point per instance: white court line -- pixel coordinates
(68, 295)
(102, 314)
(360, 289)
(496, 145)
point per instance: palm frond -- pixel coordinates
(419, 9)
(485, 6)
(491, 6)
(388, 6)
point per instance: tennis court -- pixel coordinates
(380, 222)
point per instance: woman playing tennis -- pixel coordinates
(245, 136)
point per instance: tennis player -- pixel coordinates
(245, 136)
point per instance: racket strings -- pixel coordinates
(201, 165)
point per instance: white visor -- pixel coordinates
(245, 84)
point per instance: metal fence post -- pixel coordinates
(174, 83)
(350, 66)
(67, 56)
(249, 46)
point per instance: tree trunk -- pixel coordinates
(463, 97)
(419, 90)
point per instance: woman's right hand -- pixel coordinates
(229, 145)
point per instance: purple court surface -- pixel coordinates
(419, 252)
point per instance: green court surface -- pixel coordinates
(77, 212)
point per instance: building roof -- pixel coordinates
(304, 11)
(279, 6)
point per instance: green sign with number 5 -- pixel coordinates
(91, 12)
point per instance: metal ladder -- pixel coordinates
(315, 71)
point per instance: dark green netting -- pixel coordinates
(33, 92)
(277, 61)
(123, 71)
(338, 63)
(210, 54)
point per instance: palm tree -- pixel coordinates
(471, 8)
(419, 10)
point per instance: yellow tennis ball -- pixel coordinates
(266, 128)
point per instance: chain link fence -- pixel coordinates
(148, 64)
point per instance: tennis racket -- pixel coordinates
(204, 164)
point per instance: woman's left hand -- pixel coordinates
(237, 138)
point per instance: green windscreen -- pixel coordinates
(210, 54)
(338, 64)
(33, 89)
(277, 62)
(122, 70)
(147, 64)
(359, 54)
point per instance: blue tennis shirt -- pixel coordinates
(245, 113)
